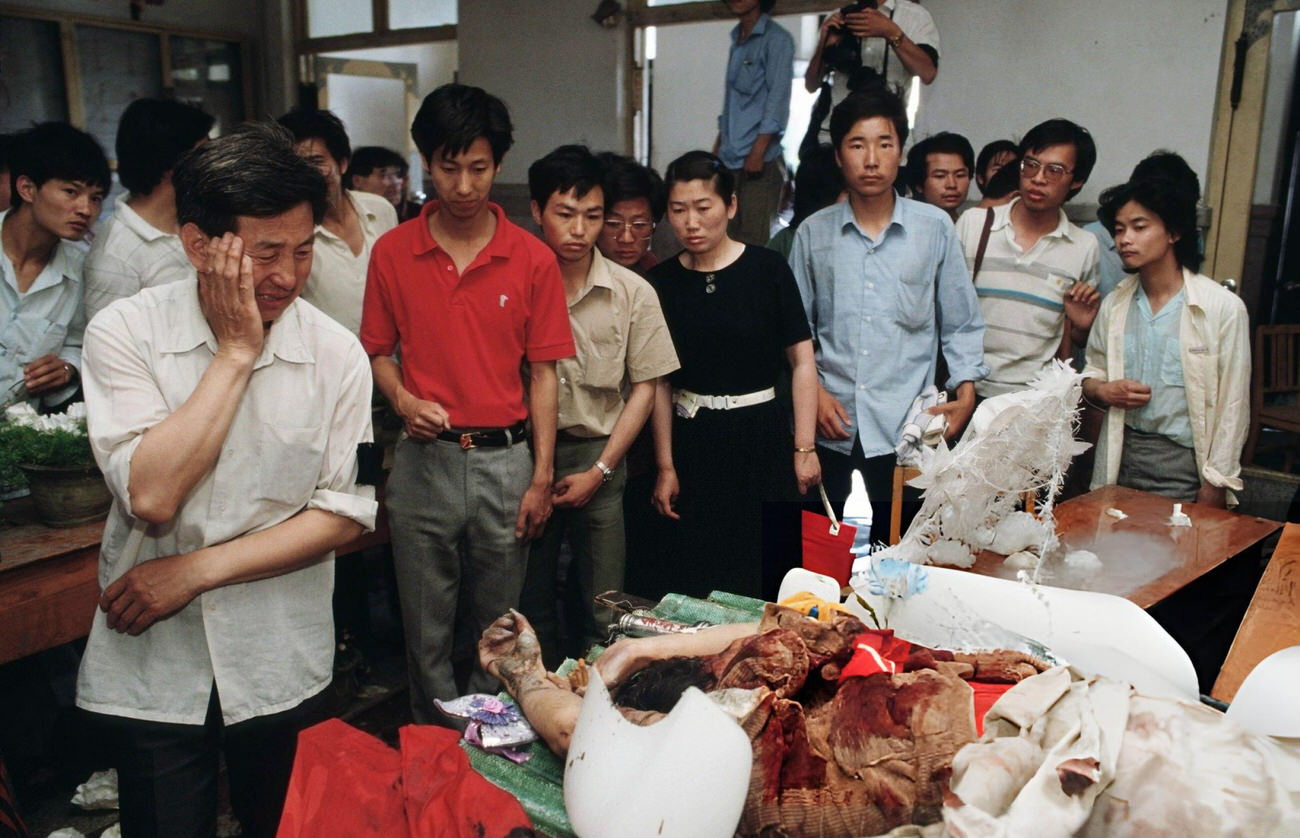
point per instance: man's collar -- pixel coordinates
(899, 216)
(598, 275)
(284, 340)
(426, 243)
(65, 263)
(365, 216)
(1064, 229)
(760, 26)
(136, 223)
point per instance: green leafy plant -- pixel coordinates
(22, 445)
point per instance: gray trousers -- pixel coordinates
(1156, 464)
(758, 200)
(599, 551)
(452, 515)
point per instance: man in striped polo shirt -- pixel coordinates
(1035, 272)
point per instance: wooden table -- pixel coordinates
(49, 578)
(1143, 558)
(1272, 620)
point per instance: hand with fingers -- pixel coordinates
(48, 372)
(149, 592)
(228, 298)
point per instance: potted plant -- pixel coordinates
(51, 454)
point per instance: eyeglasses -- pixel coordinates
(1052, 171)
(639, 229)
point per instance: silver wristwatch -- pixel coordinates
(606, 473)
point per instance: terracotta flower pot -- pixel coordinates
(68, 496)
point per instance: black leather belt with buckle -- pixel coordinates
(489, 438)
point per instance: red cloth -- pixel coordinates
(829, 555)
(986, 695)
(348, 783)
(876, 650)
(463, 336)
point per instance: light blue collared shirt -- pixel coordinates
(48, 319)
(760, 71)
(1153, 356)
(880, 310)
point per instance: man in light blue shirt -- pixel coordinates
(755, 110)
(885, 286)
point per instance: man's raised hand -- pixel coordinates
(227, 297)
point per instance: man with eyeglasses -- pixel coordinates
(634, 203)
(605, 396)
(1035, 272)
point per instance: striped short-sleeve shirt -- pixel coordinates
(1022, 293)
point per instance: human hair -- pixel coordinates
(56, 150)
(873, 101)
(252, 172)
(1172, 167)
(1004, 181)
(370, 157)
(567, 167)
(1168, 199)
(987, 153)
(766, 6)
(945, 142)
(152, 135)
(627, 180)
(453, 116)
(313, 124)
(701, 165)
(659, 684)
(1064, 132)
(6, 140)
(817, 183)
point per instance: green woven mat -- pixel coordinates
(539, 782)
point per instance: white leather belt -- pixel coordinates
(686, 397)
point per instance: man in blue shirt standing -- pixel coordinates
(755, 110)
(885, 286)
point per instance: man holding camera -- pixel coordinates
(755, 110)
(891, 41)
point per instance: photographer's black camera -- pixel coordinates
(845, 54)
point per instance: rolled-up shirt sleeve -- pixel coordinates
(122, 400)
(337, 490)
(960, 319)
(1230, 419)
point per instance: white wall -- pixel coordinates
(1138, 75)
(435, 63)
(560, 74)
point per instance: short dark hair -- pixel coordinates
(1168, 199)
(660, 684)
(627, 180)
(817, 183)
(5, 142)
(56, 150)
(307, 124)
(701, 165)
(987, 153)
(370, 157)
(452, 117)
(152, 135)
(1004, 181)
(1064, 132)
(252, 172)
(766, 6)
(873, 101)
(567, 167)
(945, 142)
(1172, 167)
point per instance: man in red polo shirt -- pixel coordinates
(464, 297)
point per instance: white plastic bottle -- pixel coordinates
(857, 511)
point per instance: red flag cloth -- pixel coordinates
(349, 784)
(876, 650)
(830, 555)
(986, 695)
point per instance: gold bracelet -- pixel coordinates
(809, 450)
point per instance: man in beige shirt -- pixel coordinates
(353, 219)
(605, 394)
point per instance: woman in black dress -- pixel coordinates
(722, 441)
